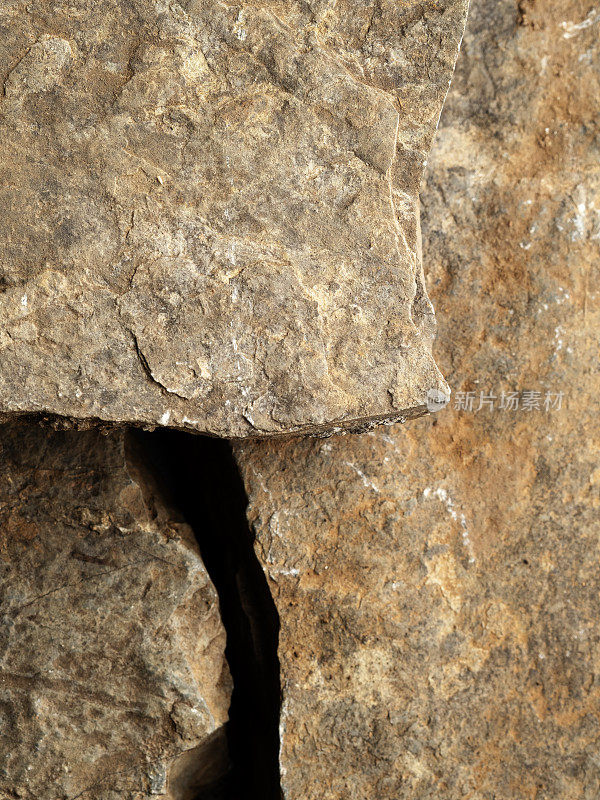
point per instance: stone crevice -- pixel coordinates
(202, 479)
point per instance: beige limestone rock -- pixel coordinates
(209, 210)
(113, 681)
(438, 585)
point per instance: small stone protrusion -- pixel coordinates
(41, 68)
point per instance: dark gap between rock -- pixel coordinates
(202, 478)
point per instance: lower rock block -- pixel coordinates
(113, 680)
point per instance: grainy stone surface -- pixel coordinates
(113, 681)
(209, 210)
(438, 583)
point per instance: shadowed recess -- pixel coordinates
(202, 478)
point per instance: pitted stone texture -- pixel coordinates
(113, 681)
(438, 584)
(210, 210)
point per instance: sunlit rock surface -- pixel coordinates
(209, 210)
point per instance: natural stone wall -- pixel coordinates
(210, 219)
(210, 210)
(113, 683)
(438, 582)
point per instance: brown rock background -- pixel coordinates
(438, 582)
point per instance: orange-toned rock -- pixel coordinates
(438, 584)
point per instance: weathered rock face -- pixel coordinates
(113, 683)
(210, 210)
(438, 584)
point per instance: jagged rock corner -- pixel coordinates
(113, 679)
(210, 210)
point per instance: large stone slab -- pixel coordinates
(113, 680)
(438, 584)
(209, 210)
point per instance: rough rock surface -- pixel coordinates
(209, 210)
(113, 682)
(438, 583)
